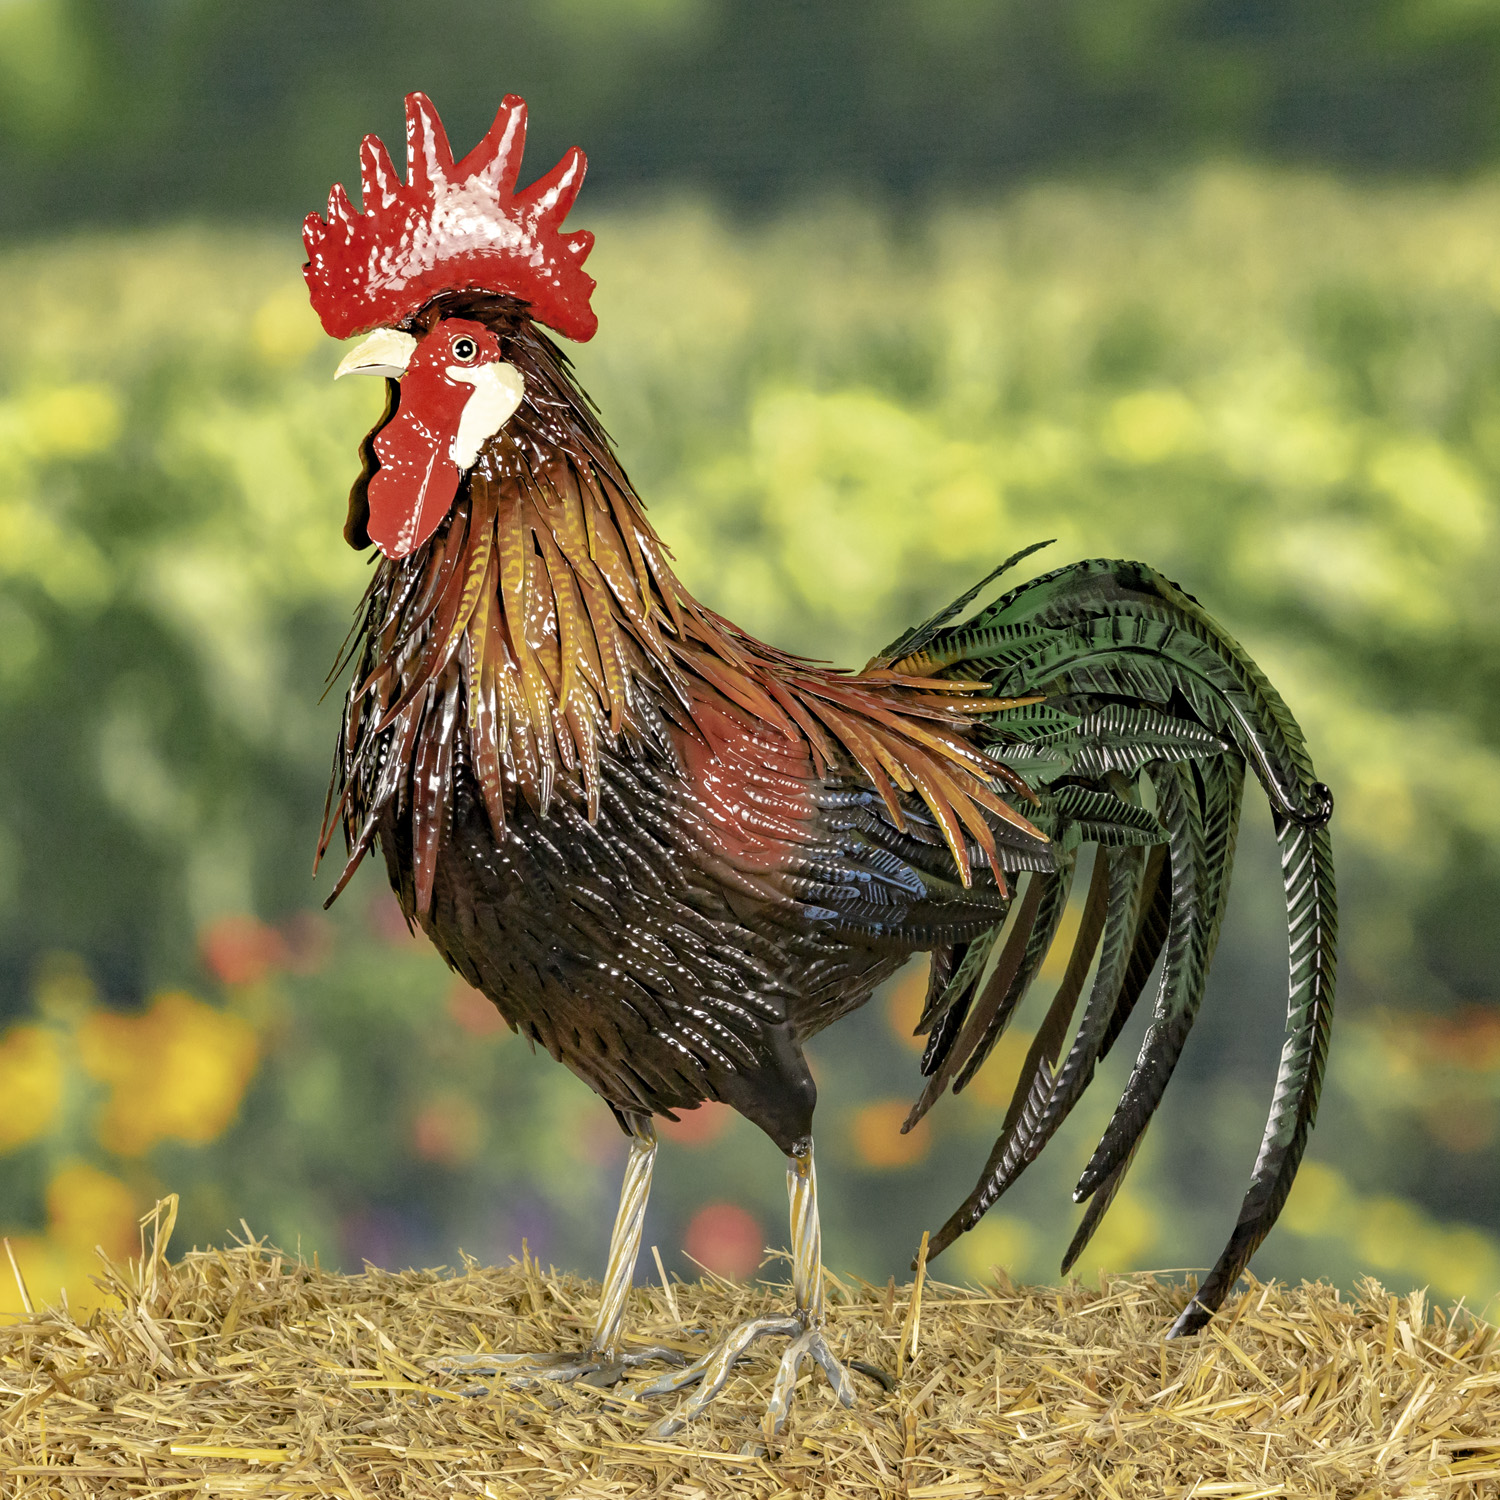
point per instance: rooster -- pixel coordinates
(670, 853)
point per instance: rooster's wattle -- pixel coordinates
(669, 853)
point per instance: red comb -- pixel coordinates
(450, 228)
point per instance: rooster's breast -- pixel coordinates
(724, 904)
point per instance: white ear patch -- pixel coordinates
(498, 389)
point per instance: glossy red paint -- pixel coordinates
(414, 486)
(751, 784)
(450, 227)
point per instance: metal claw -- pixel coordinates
(713, 1370)
(804, 1328)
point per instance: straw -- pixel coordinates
(244, 1371)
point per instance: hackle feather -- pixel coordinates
(544, 622)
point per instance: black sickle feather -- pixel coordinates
(1099, 1205)
(1312, 915)
(1199, 886)
(1131, 944)
(996, 994)
(1033, 1088)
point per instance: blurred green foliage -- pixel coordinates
(116, 110)
(1283, 391)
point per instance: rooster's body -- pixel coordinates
(670, 854)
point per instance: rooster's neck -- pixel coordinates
(543, 625)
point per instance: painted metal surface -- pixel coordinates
(456, 394)
(450, 226)
(670, 853)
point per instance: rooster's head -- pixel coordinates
(449, 228)
(456, 394)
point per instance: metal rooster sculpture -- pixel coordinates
(670, 854)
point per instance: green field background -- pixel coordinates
(1276, 381)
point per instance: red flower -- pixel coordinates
(725, 1239)
(241, 950)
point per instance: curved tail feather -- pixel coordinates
(1144, 697)
(1099, 1205)
(1312, 918)
(1202, 821)
(1041, 910)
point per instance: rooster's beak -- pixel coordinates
(387, 351)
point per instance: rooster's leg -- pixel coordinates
(605, 1360)
(804, 1327)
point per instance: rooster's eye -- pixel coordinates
(464, 349)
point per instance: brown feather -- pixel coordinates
(559, 600)
(432, 788)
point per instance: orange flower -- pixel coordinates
(597, 1140)
(995, 1082)
(473, 1013)
(388, 922)
(696, 1127)
(241, 950)
(878, 1141)
(1468, 1039)
(725, 1239)
(903, 1007)
(447, 1130)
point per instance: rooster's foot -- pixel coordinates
(713, 1370)
(588, 1366)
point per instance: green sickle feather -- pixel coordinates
(1150, 716)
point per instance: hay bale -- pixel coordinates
(245, 1371)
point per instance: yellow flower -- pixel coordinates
(85, 1208)
(31, 1084)
(996, 1080)
(996, 1240)
(1149, 426)
(904, 1006)
(1125, 1238)
(177, 1071)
